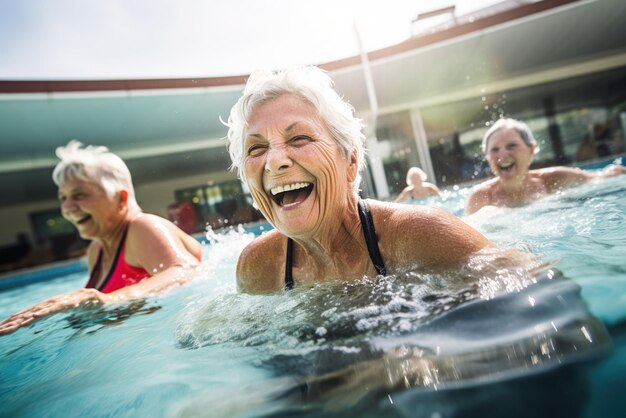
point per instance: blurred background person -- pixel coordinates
(131, 255)
(509, 147)
(417, 187)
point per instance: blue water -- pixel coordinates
(416, 345)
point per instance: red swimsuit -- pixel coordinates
(120, 275)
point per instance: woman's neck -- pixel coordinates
(516, 185)
(111, 242)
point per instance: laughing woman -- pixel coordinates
(299, 148)
(131, 255)
(509, 146)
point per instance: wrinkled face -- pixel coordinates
(294, 169)
(508, 155)
(87, 206)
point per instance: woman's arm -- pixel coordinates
(152, 243)
(561, 177)
(434, 190)
(477, 198)
(404, 195)
(76, 299)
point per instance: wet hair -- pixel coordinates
(507, 123)
(313, 86)
(95, 164)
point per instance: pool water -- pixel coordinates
(417, 345)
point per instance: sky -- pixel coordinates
(130, 39)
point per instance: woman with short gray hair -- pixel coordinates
(132, 254)
(509, 147)
(299, 148)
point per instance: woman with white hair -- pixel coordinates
(417, 186)
(509, 146)
(131, 255)
(299, 148)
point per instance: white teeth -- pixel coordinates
(287, 188)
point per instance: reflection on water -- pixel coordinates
(92, 320)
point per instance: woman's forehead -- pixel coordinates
(281, 108)
(286, 113)
(73, 182)
(506, 134)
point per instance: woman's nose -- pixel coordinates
(502, 153)
(277, 159)
(67, 204)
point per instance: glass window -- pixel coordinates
(220, 204)
(397, 148)
(574, 120)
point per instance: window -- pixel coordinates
(219, 204)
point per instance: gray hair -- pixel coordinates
(507, 123)
(415, 170)
(313, 86)
(94, 164)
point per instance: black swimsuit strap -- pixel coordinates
(369, 232)
(289, 265)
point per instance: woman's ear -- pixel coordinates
(353, 167)
(123, 196)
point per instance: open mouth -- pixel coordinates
(290, 194)
(506, 167)
(83, 219)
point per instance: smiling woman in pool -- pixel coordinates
(509, 146)
(127, 245)
(299, 148)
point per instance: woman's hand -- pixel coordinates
(76, 299)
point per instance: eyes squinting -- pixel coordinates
(258, 149)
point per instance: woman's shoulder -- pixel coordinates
(261, 263)
(146, 224)
(398, 223)
(561, 176)
(480, 195)
(424, 234)
(558, 171)
(147, 232)
(488, 184)
(144, 219)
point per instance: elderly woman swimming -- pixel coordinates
(417, 186)
(127, 247)
(299, 148)
(509, 146)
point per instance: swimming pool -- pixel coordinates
(345, 349)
